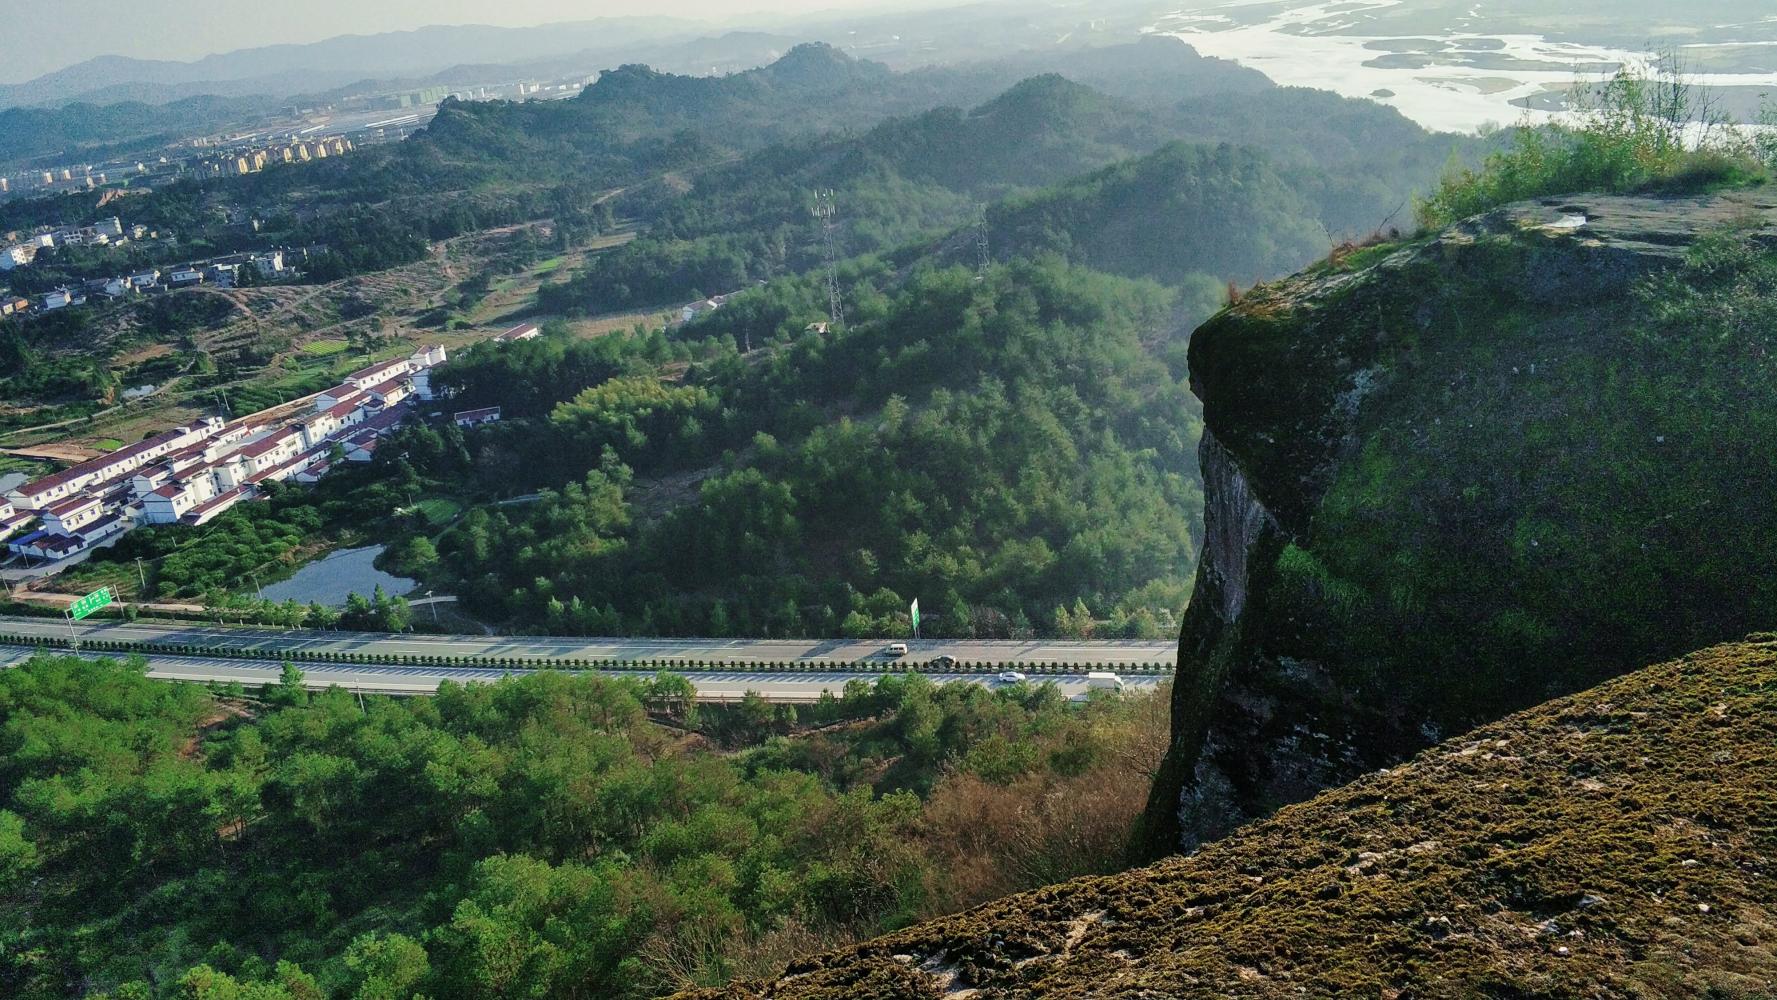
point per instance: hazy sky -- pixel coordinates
(55, 33)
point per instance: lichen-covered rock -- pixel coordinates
(1455, 477)
(1615, 843)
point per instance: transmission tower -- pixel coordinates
(827, 211)
(981, 246)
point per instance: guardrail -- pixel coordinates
(651, 664)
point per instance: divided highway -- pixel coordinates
(718, 667)
(712, 686)
(726, 652)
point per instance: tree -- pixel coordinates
(289, 690)
(388, 967)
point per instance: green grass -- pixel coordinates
(325, 348)
(12, 463)
(439, 511)
(108, 444)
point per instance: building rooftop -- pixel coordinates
(93, 466)
(221, 500)
(72, 505)
(265, 445)
(377, 372)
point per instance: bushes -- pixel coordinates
(1635, 132)
(416, 842)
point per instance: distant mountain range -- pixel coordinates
(319, 66)
(463, 55)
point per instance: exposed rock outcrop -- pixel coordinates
(1449, 479)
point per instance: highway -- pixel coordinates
(713, 686)
(691, 653)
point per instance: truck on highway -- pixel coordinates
(1100, 680)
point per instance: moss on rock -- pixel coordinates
(1492, 466)
(1613, 843)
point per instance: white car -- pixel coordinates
(895, 650)
(1012, 677)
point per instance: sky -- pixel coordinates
(60, 33)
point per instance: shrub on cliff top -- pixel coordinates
(1635, 132)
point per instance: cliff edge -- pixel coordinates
(1455, 477)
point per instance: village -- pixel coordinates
(192, 474)
(225, 271)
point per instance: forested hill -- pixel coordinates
(630, 113)
(89, 130)
(1183, 212)
(1180, 215)
(1012, 448)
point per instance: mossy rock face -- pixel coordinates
(1615, 843)
(1474, 472)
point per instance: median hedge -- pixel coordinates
(565, 663)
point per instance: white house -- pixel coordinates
(272, 450)
(523, 331)
(57, 299)
(390, 393)
(475, 418)
(337, 396)
(424, 360)
(380, 372)
(68, 516)
(173, 501)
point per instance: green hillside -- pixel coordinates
(999, 448)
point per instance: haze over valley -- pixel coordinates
(889, 502)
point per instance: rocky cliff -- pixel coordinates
(1614, 843)
(1455, 477)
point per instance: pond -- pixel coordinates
(331, 580)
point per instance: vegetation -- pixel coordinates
(553, 836)
(1602, 845)
(1635, 132)
(1497, 467)
(1008, 449)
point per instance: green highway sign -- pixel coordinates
(90, 603)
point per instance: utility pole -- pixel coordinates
(141, 577)
(827, 211)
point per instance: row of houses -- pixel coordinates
(222, 272)
(21, 251)
(190, 475)
(253, 160)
